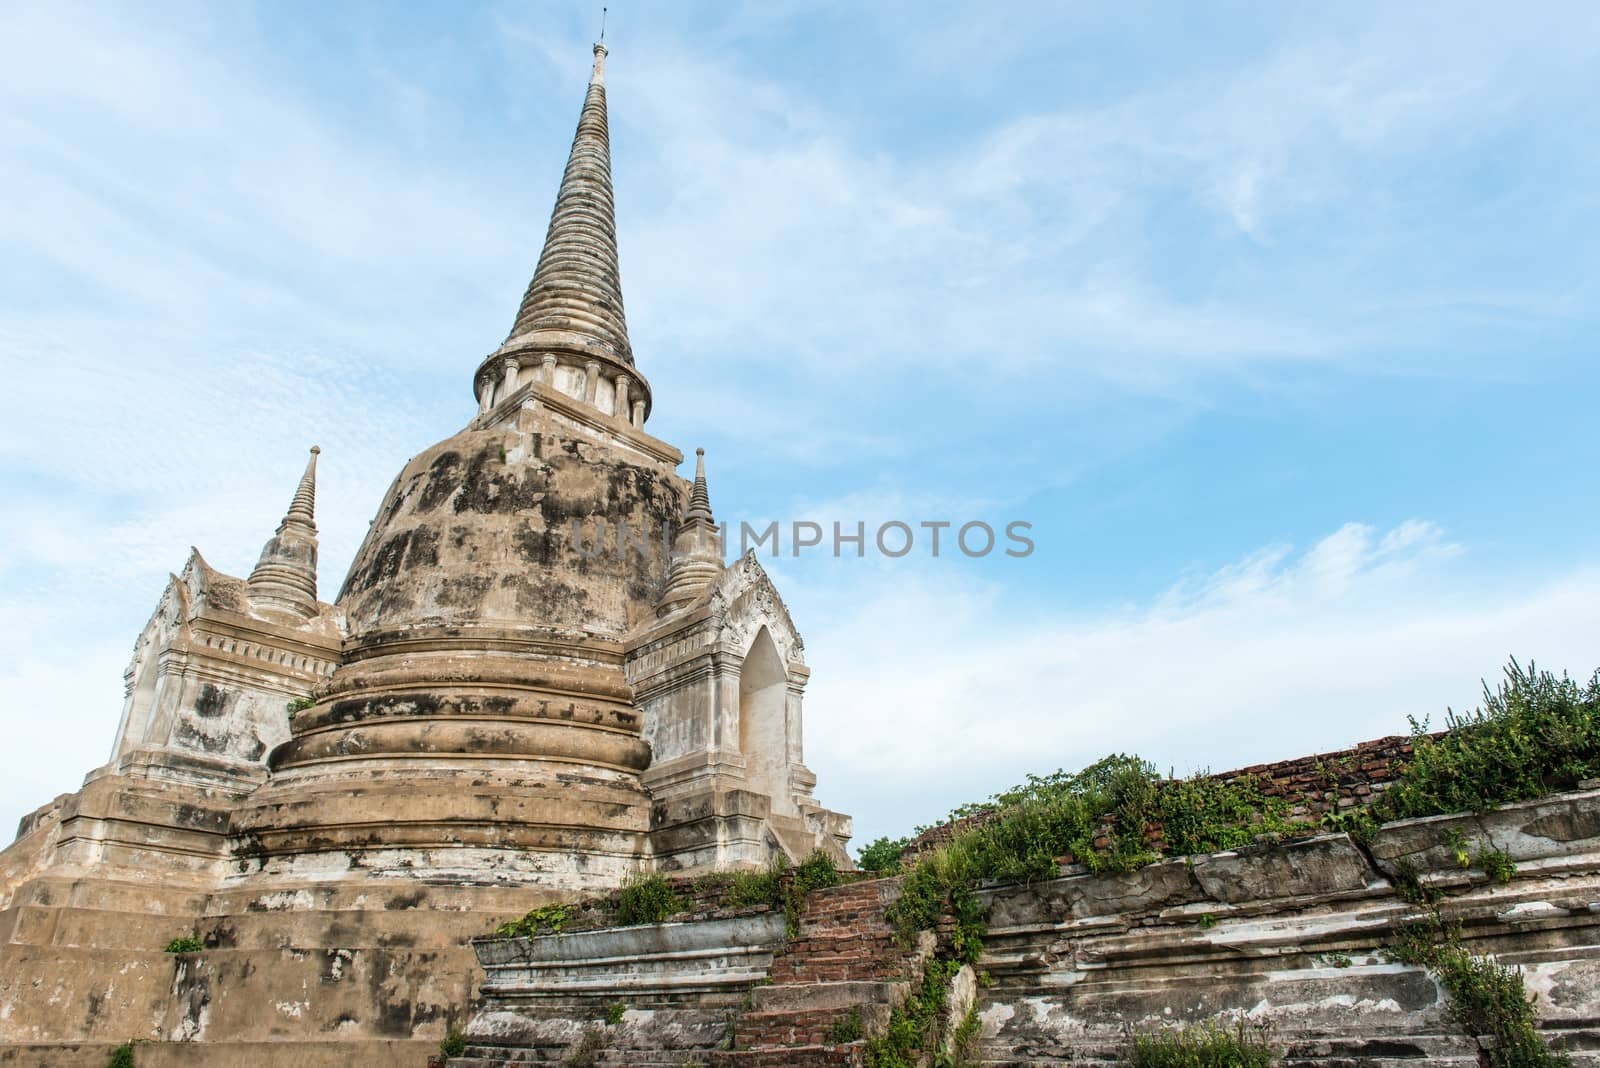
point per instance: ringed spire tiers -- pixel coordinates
(285, 578)
(696, 561)
(570, 330)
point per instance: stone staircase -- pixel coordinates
(844, 966)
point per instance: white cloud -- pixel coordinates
(791, 276)
(930, 690)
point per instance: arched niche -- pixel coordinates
(141, 700)
(763, 719)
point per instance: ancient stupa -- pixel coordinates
(490, 715)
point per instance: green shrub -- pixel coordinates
(1486, 998)
(764, 887)
(1359, 823)
(1497, 865)
(847, 1028)
(882, 856)
(546, 919)
(816, 872)
(646, 899)
(121, 1057)
(1033, 825)
(615, 1011)
(1208, 1045)
(1206, 815)
(586, 1051)
(914, 1027)
(1534, 735)
(186, 944)
(453, 1044)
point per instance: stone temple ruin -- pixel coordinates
(487, 715)
(316, 813)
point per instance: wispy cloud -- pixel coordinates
(921, 260)
(944, 689)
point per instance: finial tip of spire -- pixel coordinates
(699, 452)
(315, 449)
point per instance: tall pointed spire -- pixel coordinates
(570, 334)
(285, 578)
(577, 287)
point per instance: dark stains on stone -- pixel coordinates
(424, 548)
(212, 701)
(546, 599)
(444, 478)
(490, 487)
(1567, 825)
(406, 901)
(384, 565)
(394, 1016)
(184, 733)
(253, 748)
(193, 989)
(538, 547)
(335, 962)
(202, 819)
(463, 591)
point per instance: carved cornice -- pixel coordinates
(584, 415)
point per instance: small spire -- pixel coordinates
(303, 508)
(700, 495)
(696, 559)
(284, 581)
(598, 75)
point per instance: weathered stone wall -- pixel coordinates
(1294, 934)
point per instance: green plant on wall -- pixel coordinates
(186, 944)
(453, 1044)
(914, 1033)
(1486, 997)
(1496, 864)
(1206, 1045)
(544, 920)
(646, 899)
(121, 1057)
(782, 890)
(847, 1028)
(1536, 733)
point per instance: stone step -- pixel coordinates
(1355, 1051)
(794, 997)
(495, 1057)
(806, 1027)
(283, 1054)
(837, 967)
(815, 1056)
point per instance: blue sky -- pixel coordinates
(1277, 323)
